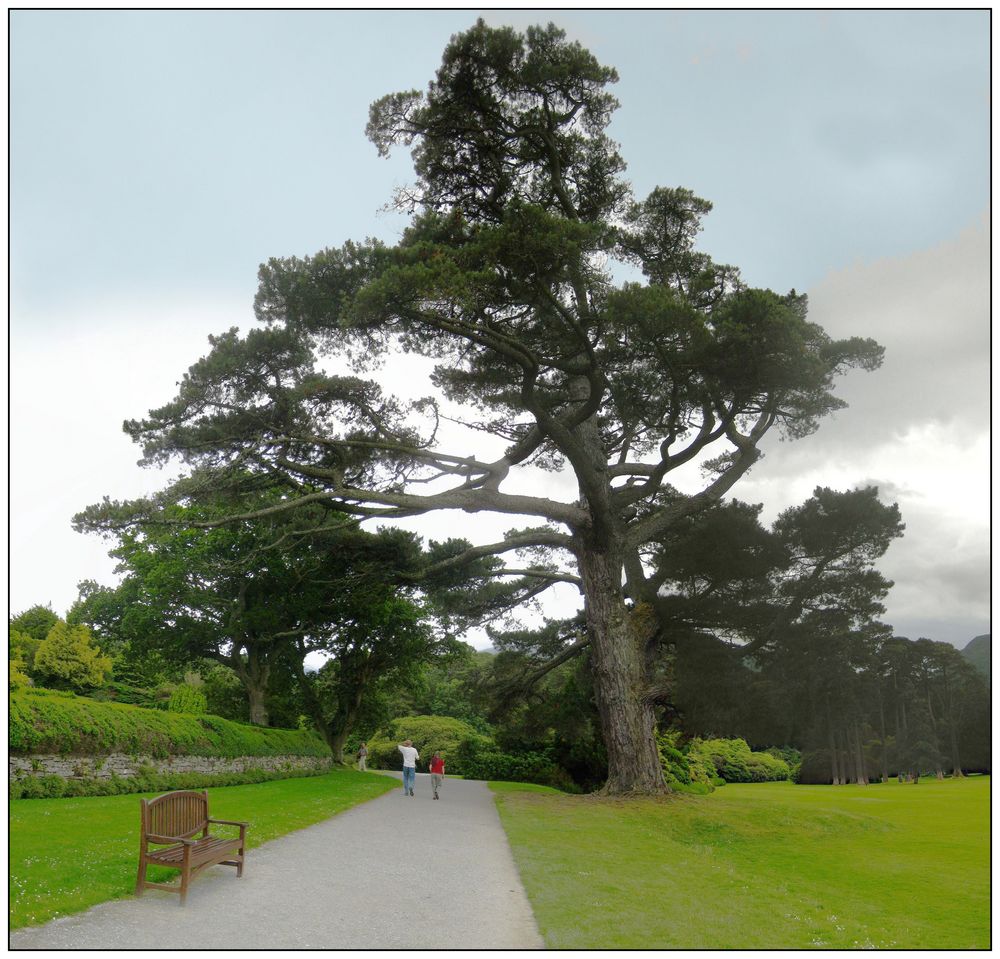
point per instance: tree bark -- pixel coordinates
(255, 674)
(882, 734)
(860, 757)
(832, 746)
(258, 708)
(618, 667)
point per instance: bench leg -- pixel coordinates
(140, 882)
(185, 874)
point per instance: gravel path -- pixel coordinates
(392, 873)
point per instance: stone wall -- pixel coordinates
(102, 767)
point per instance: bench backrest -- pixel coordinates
(182, 813)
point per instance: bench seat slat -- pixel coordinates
(200, 851)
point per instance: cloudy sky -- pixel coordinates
(157, 157)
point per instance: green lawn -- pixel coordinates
(67, 855)
(762, 866)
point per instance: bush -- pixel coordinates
(46, 721)
(734, 762)
(188, 699)
(69, 656)
(55, 787)
(684, 770)
(428, 733)
(480, 760)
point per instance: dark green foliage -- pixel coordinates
(35, 622)
(48, 722)
(55, 787)
(115, 692)
(483, 760)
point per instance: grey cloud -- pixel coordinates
(931, 313)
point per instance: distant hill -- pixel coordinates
(978, 653)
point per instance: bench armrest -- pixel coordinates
(163, 840)
(230, 822)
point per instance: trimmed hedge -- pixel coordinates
(55, 787)
(45, 721)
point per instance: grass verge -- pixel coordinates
(762, 866)
(67, 855)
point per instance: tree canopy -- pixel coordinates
(506, 277)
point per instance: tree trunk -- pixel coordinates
(832, 745)
(882, 733)
(254, 673)
(956, 764)
(859, 753)
(617, 662)
(258, 709)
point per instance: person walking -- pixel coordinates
(437, 773)
(363, 757)
(410, 757)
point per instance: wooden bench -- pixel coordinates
(173, 820)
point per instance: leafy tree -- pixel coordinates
(505, 278)
(68, 657)
(35, 621)
(26, 632)
(257, 597)
(378, 638)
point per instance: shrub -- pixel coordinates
(734, 762)
(479, 760)
(685, 770)
(46, 721)
(428, 733)
(68, 655)
(188, 699)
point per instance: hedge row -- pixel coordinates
(55, 787)
(43, 721)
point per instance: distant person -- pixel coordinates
(437, 773)
(363, 757)
(410, 757)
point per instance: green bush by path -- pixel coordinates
(485, 760)
(67, 855)
(428, 733)
(43, 721)
(761, 866)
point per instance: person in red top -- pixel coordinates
(437, 773)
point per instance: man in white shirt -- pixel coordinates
(410, 757)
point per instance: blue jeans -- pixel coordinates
(409, 775)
